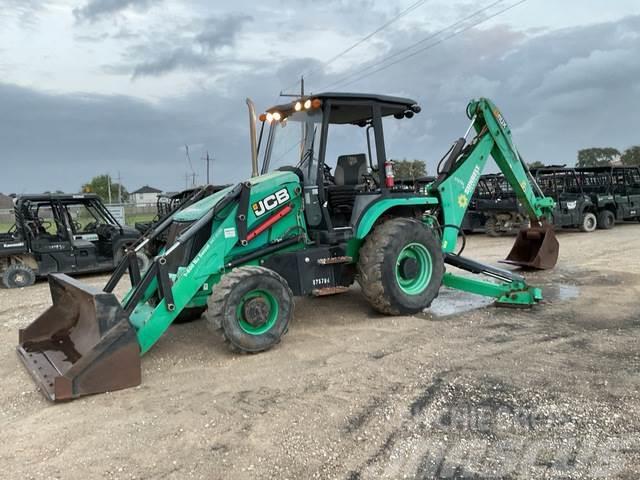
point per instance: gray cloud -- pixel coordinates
(221, 32)
(54, 141)
(168, 61)
(194, 46)
(560, 90)
(95, 9)
(25, 11)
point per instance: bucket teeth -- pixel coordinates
(82, 344)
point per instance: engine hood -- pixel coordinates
(266, 182)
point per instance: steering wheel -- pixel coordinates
(90, 227)
(46, 224)
(372, 177)
(326, 173)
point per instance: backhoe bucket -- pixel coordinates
(536, 247)
(82, 344)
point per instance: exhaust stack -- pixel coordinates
(254, 137)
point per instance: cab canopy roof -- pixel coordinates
(354, 108)
(47, 197)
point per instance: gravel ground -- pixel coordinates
(465, 391)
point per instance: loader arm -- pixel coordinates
(461, 171)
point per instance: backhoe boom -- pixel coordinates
(462, 170)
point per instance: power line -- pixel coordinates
(403, 13)
(412, 46)
(349, 79)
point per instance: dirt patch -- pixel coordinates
(464, 393)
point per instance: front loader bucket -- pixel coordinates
(82, 344)
(536, 247)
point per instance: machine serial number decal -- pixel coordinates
(270, 202)
(318, 282)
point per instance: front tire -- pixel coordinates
(401, 267)
(17, 275)
(251, 307)
(606, 220)
(589, 222)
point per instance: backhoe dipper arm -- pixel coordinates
(459, 178)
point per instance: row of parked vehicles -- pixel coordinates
(77, 234)
(586, 198)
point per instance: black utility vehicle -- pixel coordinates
(168, 205)
(496, 201)
(574, 208)
(62, 234)
(615, 192)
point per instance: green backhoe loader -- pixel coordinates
(296, 227)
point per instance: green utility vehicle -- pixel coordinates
(297, 227)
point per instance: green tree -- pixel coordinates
(100, 186)
(536, 164)
(597, 157)
(631, 156)
(409, 169)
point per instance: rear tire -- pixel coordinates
(491, 228)
(251, 308)
(606, 220)
(401, 267)
(17, 275)
(143, 260)
(589, 222)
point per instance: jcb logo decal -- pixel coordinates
(270, 202)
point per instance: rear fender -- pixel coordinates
(377, 209)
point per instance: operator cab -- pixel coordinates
(335, 143)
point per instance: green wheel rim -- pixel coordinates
(271, 317)
(414, 284)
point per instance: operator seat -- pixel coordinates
(348, 175)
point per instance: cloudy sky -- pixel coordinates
(108, 86)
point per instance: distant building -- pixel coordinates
(145, 196)
(5, 201)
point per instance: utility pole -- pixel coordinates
(208, 160)
(109, 186)
(119, 188)
(282, 94)
(189, 177)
